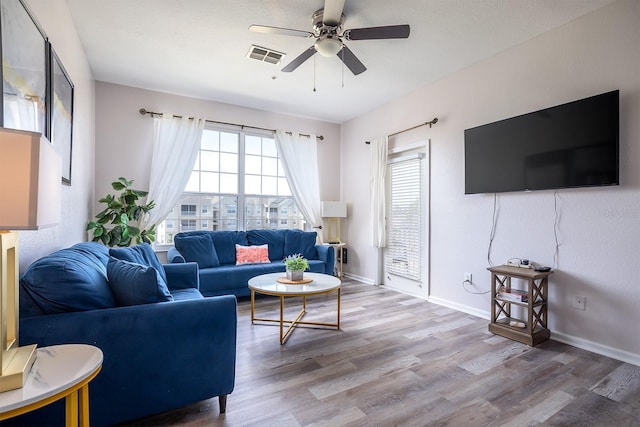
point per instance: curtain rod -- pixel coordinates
(432, 122)
(143, 112)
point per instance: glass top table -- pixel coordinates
(267, 284)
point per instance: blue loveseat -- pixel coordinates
(158, 356)
(215, 254)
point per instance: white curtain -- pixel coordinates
(299, 156)
(176, 141)
(377, 188)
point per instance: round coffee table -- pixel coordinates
(267, 284)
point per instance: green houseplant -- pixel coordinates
(118, 223)
(295, 265)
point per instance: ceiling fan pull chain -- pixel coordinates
(314, 73)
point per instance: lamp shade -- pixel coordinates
(30, 181)
(328, 46)
(333, 209)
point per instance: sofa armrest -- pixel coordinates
(174, 256)
(182, 276)
(326, 254)
(172, 353)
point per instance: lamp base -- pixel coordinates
(15, 373)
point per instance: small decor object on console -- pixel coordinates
(295, 265)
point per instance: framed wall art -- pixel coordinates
(61, 114)
(24, 70)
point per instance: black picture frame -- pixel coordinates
(61, 110)
(25, 70)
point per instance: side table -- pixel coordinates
(338, 247)
(59, 371)
(532, 329)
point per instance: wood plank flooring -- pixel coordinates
(401, 361)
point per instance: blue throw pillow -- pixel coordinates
(301, 242)
(134, 284)
(198, 249)
(140, 254)
(273, 238)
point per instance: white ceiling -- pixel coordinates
(198, 48)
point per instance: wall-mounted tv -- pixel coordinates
(566, 146)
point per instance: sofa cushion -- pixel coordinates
(300, 242)
(186, 294)
(225, 244)
(140, 254)
(134, 284)
(274, 238)
(252, 254)
(198, 249)
(71, 279)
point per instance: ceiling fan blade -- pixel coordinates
(332, 12)
(277, 30)
(377, 33)
(299, 60)
(351, 61)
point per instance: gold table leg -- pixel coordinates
(84, 406)
(71, 409)
(284, 333)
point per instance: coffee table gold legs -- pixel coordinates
(285, 332)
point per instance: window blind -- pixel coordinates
(404, 248)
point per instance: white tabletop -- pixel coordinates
(57, 368)
(266, 283)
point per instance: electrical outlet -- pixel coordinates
(467, 277)
(579, 302)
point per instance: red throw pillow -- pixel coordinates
(252, 254)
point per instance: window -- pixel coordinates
(404, 227)
(188, 210)
(188, 225)
(237, 183)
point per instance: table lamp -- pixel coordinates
(30, 181)
(333, 211)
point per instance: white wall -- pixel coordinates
(599, 229)
(55, 18)
(124, 138)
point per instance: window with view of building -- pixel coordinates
(237, 183)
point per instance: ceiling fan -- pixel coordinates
(329, 34)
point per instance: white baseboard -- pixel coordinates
(365, 280)
(582, 343)
(594, 347)
(460, 307)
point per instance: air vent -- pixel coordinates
(265, 55)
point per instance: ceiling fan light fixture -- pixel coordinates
(328, 46)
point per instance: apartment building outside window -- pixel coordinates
(237, 183)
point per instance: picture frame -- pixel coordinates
(61, 119)
(25, 70)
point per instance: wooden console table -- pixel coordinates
(531, 329)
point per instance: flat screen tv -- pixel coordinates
(566, 146)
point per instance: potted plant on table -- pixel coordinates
(295, 266)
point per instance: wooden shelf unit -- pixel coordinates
(536, 283)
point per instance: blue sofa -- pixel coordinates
(215, 253)
(158, 356)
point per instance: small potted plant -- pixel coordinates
(295, 265)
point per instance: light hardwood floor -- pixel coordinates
(399, 360)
